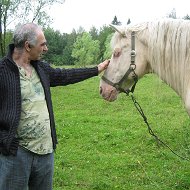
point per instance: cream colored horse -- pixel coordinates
(162, 47)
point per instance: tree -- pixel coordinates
(36, 11)
(67, 51)
(187, 17)
(56, 44)
(6, 7)
(22, 11)
(129, 21)
(80, 30)
(108, 51)
(94, 33)
(85, 50)
(115, 21)
(105, 31)
(172, 14)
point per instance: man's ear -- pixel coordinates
(27, 46)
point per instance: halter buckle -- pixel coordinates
(133, 53)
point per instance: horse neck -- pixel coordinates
(169, 53)
(172, 73)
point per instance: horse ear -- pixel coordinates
(120, 30)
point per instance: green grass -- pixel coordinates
(106, 146)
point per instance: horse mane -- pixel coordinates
(168, 43)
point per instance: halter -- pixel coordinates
(131, 69)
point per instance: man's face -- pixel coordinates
(40, 48)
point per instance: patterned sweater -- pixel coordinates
(10, 96)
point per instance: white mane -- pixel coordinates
(169, 50)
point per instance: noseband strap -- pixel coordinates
(131, 69)
(118, 84)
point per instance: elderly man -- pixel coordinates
(27, 127)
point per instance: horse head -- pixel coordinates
(128, 61)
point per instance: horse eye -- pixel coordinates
(124, 47)
(117, 52)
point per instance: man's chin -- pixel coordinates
(39, 57)
(36, 59)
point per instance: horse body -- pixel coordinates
(162, 47)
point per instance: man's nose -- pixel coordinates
(45, 48)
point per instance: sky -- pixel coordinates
(88, 13)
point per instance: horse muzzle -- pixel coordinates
(108, 92)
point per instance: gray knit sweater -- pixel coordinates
(10, 96)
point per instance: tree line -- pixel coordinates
(77, 48)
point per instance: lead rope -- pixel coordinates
(139, 109)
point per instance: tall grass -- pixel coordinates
(106, 146)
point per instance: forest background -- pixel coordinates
(79, 48)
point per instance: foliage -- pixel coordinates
(7, 7)
(67, 52)
(85, 50)
(94, 33)
(172, 14)
(105, 31)
(22, 11)
(106, 146)
(129, 21)
(7, 41)
(115, 21)
(80, 30)
(187, 17)
(56, 44)
(60, 45)
(36, 11)
(108, 51)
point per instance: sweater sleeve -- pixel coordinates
(62, 77)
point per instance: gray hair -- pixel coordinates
(25, 32)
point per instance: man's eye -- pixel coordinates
(44, 44)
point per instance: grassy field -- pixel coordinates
(106, 146)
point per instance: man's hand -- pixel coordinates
(102, 66)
